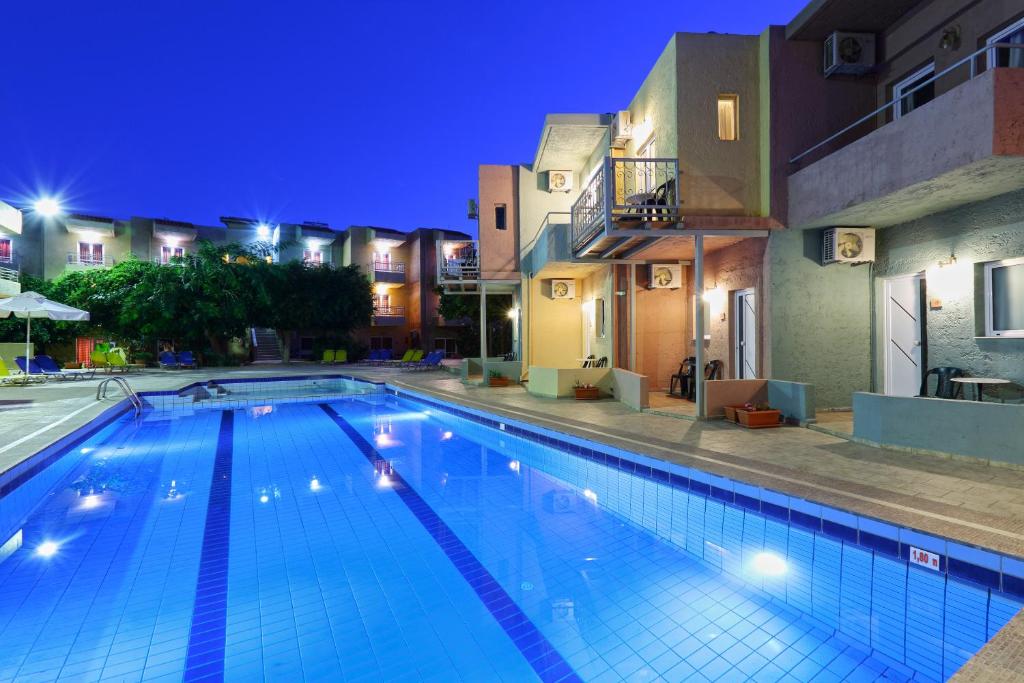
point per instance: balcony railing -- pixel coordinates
(9, 274)
(458, 260)
(388, 267)
(626, 194)
(989, 51)
(75, 259)
(388, 315)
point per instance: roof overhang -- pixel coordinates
(821, 17)
(10, 219)
(174, 233)
(90, 227)
(568, 140)
(318, 236)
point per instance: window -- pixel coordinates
(5, 251)
(1004, 298)
(168, 252)
(728, 117)
(499, 217)
(90, 254)
(909, 101)
(449, 346)
(311, 256)
(1008, 56)
(377, 343)
(382, 260)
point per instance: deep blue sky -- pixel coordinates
(352, 113)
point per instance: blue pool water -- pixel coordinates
(364, 536)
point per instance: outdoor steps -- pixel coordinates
(267, 348)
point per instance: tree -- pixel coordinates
(466, 307)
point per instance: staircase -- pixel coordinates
(267, 348)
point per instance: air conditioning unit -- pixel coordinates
(848, 245)
(563, 289)
(665, 276)
(623, 128)
(559, 181)
(849, 53)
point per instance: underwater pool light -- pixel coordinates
(769, 564)
(47, 549)
(314, 484)
(513, 465)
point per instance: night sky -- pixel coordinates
(351, 113)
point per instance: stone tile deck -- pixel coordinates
(967, 501)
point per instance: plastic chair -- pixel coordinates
(588, 362)
(328, 356)
(712, 370)
(684, 377)
(945, 387)
(166, 359)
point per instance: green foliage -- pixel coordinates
(202, 300)
(465, 308)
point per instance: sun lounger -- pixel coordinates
(117, 359)
(329, 356)
(186, 360)
(98, 359)
(407, 357)
(431, 362)
(166, 359)
(341, 356)
(6, 377)
(50, 368)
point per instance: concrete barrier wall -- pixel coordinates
(512, 369)
(631, 388)
(990, 431)
(794, 399)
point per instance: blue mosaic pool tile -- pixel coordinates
(855, 594)
(799, 591)
(826, 580)
(714, 515)
(888, 608)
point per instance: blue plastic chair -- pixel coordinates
(186, 360)
(166, 359)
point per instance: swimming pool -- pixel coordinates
(338, 531)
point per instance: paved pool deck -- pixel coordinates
(964, 500)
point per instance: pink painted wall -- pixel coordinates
(662, 333)
(499, 249)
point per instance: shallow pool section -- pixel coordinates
(366, 536)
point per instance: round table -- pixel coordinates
(979, 383)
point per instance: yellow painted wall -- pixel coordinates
(552, 328)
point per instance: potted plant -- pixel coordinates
(758, 416)
(496, 379)
(585, 391)
(730, 413)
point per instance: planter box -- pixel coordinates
(758, 419)
(498, 381)
(586, 393)
(731, 413)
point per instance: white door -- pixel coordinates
(903, 335)
(745, 352)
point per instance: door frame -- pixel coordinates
(887, 364)
(737, 350)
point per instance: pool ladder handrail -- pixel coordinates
(133, 398)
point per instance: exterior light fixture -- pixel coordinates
(47, 207)
(512, 313)
(263, 231)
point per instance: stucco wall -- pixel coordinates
(535, 202)
(733, 268)
(662, 330)
(720, 176)
(979, 232)
(596, 286)
(819, 319)
(552, 328)
(653, 110)
(499, 249)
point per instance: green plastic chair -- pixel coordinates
(417, 356)
(341, 356)
(329, 356)
(116, 358)
(98, 359)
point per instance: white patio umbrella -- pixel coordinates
(30, 305)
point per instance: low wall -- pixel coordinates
(512, 369)
(627, 387)
(631, 389)
(989, 431)
(794, 399)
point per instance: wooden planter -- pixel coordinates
(498, 381)
(730, 413)
(758, 419)
(586, 393)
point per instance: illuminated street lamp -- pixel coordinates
(47, 207)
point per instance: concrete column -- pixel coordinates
(517, 324)
(698, 332)
(483, 328)
(632, 317)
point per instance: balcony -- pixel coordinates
(388, 271)
(76, 261)
(458, 261)
(10, 283)
(388, 315)
(625, 200)
(964, 146)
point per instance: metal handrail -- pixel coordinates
(133, 398)
(9, 274)
(972, 58)
(389, 266)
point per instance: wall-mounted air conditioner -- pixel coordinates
(559, 181)
(849, 53)
(622, 131)
(848, 245)
(665, 276)
(563, 289)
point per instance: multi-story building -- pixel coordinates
(403, 269)
(705, 208)
(914, 145)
